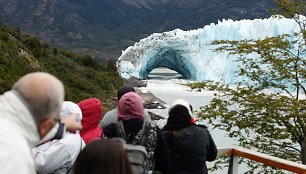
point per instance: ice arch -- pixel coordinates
(170, 59)
(190, 53)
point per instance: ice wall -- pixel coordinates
(190, 53)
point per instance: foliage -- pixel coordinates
(82, 75)
(266, 110)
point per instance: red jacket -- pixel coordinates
(92, 112)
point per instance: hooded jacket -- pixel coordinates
(130, 106)
(112, 116)
(58, 156)
(190, 146)
(92, 112)
(18, 135)
(130, 112)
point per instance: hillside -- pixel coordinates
(105, 27)
(82, 75)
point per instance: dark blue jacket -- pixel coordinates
(190, 148)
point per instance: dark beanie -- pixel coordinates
(124, 89)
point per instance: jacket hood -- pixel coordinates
(179, 118)
(92, 112)
(130, 106)
(183, 103)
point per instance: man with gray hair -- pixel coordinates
(28, 112)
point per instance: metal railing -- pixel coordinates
(276, 162)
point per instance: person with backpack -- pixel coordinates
(112, 116)
(190, 145)
(137, 133)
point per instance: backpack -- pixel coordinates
(137, 152)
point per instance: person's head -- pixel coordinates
(105, 156)
(92, 112)
(130, 106)
(69, 108)
(44, 95)
(183, 103)
(123, 90)
(180, 115)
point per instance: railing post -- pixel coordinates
(233, 165)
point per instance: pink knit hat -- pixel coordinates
(130, 106)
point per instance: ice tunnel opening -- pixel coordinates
(163, 73)
(170, 59)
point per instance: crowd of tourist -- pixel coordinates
(42, 133)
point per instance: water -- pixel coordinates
(168, 86)
(164, 84)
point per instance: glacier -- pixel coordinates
(190, 53)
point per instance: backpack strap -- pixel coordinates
(145, 131)
(120, 130)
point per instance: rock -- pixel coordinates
(150, 101)
(155, 116)
(133, 81)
